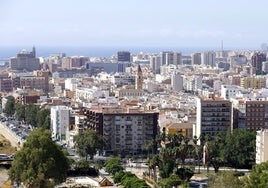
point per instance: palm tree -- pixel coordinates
(153, 163)
(198, 151)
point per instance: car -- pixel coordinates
(4, 157)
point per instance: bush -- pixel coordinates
(185, 174)
(129, 180)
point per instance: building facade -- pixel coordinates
(177, 82)
(257, 60)
(213, 115)
(124, 131)
(262, 146)
(256, 116)
(253, 82)
(123, 56)
(25, 61)
(6, 85)
(60, 118)
(196, 58)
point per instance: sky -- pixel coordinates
(139, 23)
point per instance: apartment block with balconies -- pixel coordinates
(125, 132)
(213, 115)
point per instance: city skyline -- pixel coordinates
(239, 24)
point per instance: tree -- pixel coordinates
(88, 143)
(172, 181)
(198, 151)
(212, 154)
(9, 109)
(154, 161)
(30, 114)
(20, 111)
(40, 163)
(113, 165)
(167, 162)
(43, 118)
(185, 174)
(238, 148)
(258, 177)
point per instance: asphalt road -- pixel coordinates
(8, 134)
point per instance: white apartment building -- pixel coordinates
(168, 69)
(192, 83)
(59, 121)
(262, 146)
(87, 94)
(265, 66)
(229, 91)
(71, 83)
(120, 79)
(177, 82)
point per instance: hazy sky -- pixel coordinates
(145, 23)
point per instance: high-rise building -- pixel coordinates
(262, 146)
(196, 58)
(177, 82)
(123, 56)
(170, 58)
(256, 114)
(125, 131)
(25, 61)
(155, 63)
(60, 118)
(208, 58)
(257, 60)
(213, 115)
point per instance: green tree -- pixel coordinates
(238, 148)
(40, 163)
(88, 143)
(43, 118)
(119, 176)
(167, 162)
(185, 174)
(258, 177)
(113, 165)
(154, 161)
(20, 111)
(30, 114)
(212, 154)
(9, 109)
(172, 181)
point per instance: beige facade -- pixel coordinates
(252, 82)
(262, 146)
